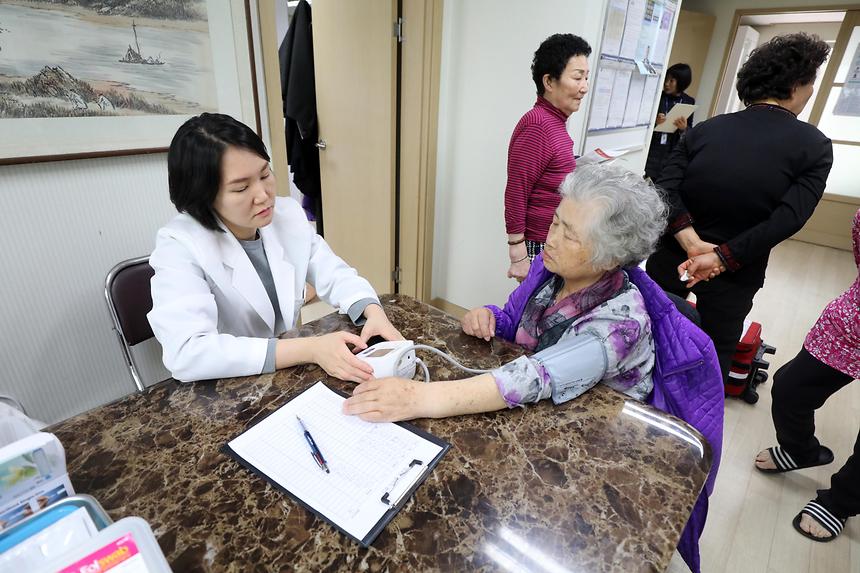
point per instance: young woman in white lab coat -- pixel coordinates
(231, 268)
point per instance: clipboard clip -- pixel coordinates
(386, 496)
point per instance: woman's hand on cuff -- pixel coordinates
(333, 354)
(378, 325)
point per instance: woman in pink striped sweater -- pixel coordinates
(829, 360)
(540, 153)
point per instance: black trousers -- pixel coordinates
(722, 304)
(799, 388)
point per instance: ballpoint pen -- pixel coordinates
(315, 451)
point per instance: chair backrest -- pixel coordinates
(129, 299)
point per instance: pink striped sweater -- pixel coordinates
(540, 156)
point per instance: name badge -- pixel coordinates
(664, 137)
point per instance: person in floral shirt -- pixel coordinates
(584, 318)
(828, 361)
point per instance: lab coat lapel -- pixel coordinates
(246, 281)
(284, 275)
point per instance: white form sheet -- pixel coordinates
(678, 110)
(659, 55)
(600, 98)
(634, 100)
(614, 27)
(649, 100)
(366, 459)
(618, 101)
(650, 29)
(632, 28)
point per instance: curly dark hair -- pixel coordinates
(553, 54)
(779, 65)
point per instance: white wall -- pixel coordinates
(63, 226)
(724, 10)
(486, 86)
(827, 31)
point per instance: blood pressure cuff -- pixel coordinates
(573, 365)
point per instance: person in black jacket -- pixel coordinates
(678, 78)
(739, 184)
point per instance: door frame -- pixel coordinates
(833, 207)
(741, 12)
(419, 112)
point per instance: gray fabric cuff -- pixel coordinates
(269, 364)
(356, 311)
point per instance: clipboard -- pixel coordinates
(389, 496)
(678, 110)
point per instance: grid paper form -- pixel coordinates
(365, 458)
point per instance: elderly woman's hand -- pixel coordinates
(519, 270)
(479, 322)
(690, 241)
(701, 268)
(520, 263)
(389, 400)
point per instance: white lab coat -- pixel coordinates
(210, 311)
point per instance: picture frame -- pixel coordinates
(79, 83)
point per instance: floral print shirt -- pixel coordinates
(620, 322)
(835, 338)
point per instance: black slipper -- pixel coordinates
(825, 519)
(785, 463)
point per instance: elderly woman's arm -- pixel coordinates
(394, 399)
(528, 158)
(562, 372)
(680, 220)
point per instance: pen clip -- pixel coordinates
(386, 496)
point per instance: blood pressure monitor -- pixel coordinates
(390, 358)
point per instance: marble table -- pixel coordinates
(601, 483)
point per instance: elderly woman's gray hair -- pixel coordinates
(632, 217)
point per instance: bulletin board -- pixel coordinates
(628, 74)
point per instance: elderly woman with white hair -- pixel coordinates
(585, 320)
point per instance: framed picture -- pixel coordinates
(95, 78)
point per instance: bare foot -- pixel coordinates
(811, 526)
(763, 461)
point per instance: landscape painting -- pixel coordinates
(91, 60)
(104, 57)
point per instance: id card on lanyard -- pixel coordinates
(664, 109)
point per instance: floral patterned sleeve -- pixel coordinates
(522, 381)
(626, 357)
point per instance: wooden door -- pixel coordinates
(355, 67)
(690, 45)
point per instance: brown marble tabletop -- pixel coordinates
(600, 483)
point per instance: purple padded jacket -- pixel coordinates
(687, 379)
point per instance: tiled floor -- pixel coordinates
(749, 523)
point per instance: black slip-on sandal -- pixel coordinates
(832, 524)
(785, 463)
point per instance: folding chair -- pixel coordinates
(129, 300)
